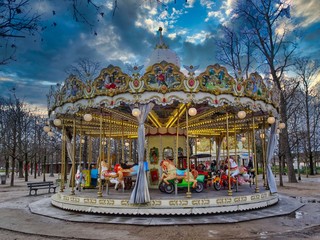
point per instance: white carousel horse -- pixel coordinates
(234, 170)
(171, 172)
(80, 178)
(238, 172)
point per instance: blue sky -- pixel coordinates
(129, 37)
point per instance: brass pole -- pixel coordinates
(235, 140)
(100, 158)
(177, 143)
(188, 194)
(229, 180)
(130, 149)
(109, 144)
(73, 172)
(63, 159)
(122, 140)
(80, 149)
(248, 134)
(90, 152)
(254, 154)
(265, 184)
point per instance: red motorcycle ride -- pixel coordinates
(222, 180)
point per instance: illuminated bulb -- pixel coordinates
(126, 144)
(87, 117)
(57, 122)
(242, 114)
(262, 135)
(282, 125)
(192, 111)
(243, 139)
(271, 120)
(82, 141)
(136, 112)
(46, 129)
(50, 134)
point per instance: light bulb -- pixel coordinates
(87, 117)
(271, 120)
(192, 111)
(242, 114)
(57, 122)
(136, 112)
(46, 129)
(282, 125)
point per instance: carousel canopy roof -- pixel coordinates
(215, 94)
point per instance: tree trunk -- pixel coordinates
(309, 137)
(7, 165)
(284, 143)
(280, 170)
(12, 171)
(26, 168)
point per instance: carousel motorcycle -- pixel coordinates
(222, 180)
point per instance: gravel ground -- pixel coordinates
(302, 224)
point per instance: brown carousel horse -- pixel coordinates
(171, 172)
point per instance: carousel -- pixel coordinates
(155, 112)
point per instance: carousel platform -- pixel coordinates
(207, 202)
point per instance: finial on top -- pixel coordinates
(161, 43)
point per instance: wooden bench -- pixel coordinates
(41, 185)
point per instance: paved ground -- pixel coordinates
(17, 222)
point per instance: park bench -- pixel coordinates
(41, 185)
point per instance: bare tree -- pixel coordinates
(84, 69)
(235, 50)
(307, 70)
(263, 18)
(16, 21)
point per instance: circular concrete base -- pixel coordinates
(178, 205)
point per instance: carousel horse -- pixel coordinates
(241, 173)
(171, 172)
(117, 175)
(80, 178)
(112, 176)
(234, 170)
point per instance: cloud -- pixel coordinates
(208, 4)
(307, 10)
(215, 14)
(190, 4)
(127, 37)
(199, 37)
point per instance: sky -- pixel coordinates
(128, 37)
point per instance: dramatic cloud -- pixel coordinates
(127, 35)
